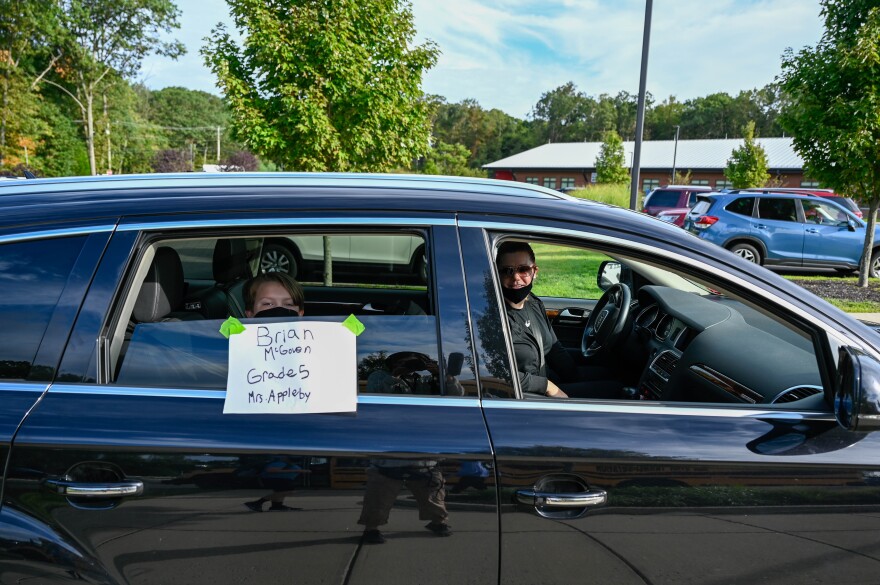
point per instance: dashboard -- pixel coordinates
(704, 349)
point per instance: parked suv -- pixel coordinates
(783, 229)
(673, 201)
(400, 432)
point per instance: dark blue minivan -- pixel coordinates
(394, 427)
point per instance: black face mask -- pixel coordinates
(516, 295)
(277, 312)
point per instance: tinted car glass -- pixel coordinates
(32, 276)
(778, 209)
(180, 345)
(663, 199)
(742, 206)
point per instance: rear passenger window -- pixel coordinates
(777, 209)
(167, 329)
(32, 277)
(742, 206)
(663, 199)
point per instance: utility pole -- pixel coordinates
(218, 145)
(675, 152)
(107, 134)
(640, 114)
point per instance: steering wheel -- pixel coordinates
(607, 320)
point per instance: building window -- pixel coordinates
(566, 183)
(532, 180)
(723, 185)
(700, 182)
(810, 184)
(649, 184)
(550, 182)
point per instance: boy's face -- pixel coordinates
(270, 295)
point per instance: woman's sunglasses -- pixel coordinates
(522, 270)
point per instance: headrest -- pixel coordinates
(231, 260)
(162, 291)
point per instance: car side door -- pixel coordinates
(777, 225)
(680, 490)
(138, 476)
(829, 235)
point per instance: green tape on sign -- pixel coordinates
(352, 324)
(231, 326)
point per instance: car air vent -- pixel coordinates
(797, 393)
(665, 364)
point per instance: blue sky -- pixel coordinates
(506, 53)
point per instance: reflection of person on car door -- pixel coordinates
(386, 477)
(279, 475)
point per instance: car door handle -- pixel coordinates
(554, 500)
(812, 231)
(761, 226)
(73, 489)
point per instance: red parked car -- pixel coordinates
(672, 202)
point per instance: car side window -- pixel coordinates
(32, 277)
(777, 209)
(167, 331)
(741, 206)
(641, 329)
(663, 199)
(821, 213)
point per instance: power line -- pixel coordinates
(212, 128)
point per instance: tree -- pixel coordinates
(449, 159)
(103, 38)
(561, 113)
(172, 160)
(747, 165)
(240, 161)
(192, 118)
(611, 162)
(833, 112)
(319, 85)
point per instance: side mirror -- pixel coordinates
(851, 225)
(608, 275)
(857, 395)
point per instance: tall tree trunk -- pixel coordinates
(3, 110)
(865, 265)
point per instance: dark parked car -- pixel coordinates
(738, 449)
(783, 229)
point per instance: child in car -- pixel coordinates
(273, 294)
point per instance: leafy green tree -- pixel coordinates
(325, 85)
(561, 113)
(611, 162)
(661, 120)
(489, 135)
(103, 39)
(834, 109)
(449, 159)
(747, 166)
(191, 119)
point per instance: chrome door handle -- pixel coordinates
(554, 500)
(73, 489)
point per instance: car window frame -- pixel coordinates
(823, 335)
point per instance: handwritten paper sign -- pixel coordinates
(292, 368)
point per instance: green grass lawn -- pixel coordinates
(567, 272)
